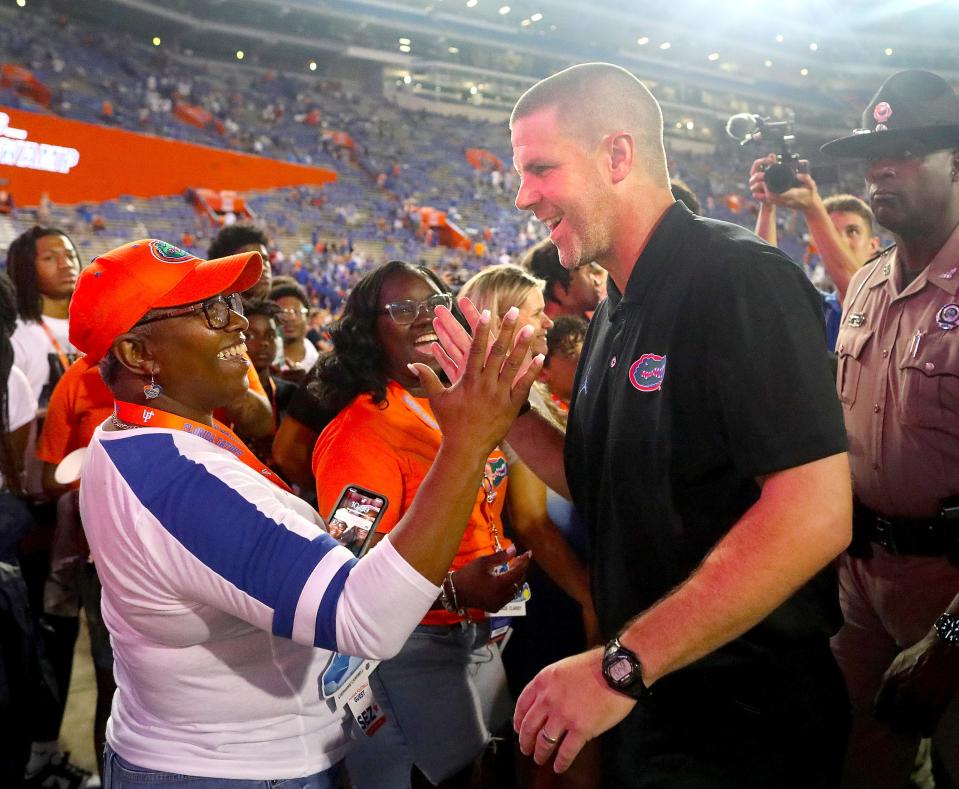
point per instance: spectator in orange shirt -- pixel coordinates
(435, 692)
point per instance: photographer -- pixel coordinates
(841, 226)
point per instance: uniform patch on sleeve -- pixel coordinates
(647, 372)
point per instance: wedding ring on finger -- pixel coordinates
(546, 738)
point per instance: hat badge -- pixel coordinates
(882, 112)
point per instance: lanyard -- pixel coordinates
(219, 435)
(489, 489)
(62, 354)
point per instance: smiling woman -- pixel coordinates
(224, 595)
(384, 438)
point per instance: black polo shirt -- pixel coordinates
(709, 371)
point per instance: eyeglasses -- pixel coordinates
(406, 311)
(291, 313)
(216, 311)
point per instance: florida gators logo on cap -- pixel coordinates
(647, 372)
(882, 112)
(167, 253)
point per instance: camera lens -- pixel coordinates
(780, 177)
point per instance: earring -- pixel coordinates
(152, 390)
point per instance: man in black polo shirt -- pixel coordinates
(705, 448)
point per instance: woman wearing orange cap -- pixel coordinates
(223, 594)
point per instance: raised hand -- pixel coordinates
(491, 382)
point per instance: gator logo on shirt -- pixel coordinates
(167, 253)
(498, 470)
(647, 372)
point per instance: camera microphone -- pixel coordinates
(742, 126)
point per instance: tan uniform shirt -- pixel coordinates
(898, 381)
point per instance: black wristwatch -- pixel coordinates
(623, 671)
(947, 628)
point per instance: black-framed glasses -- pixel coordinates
(216, 311)
(406, 311)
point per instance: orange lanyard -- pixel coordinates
(219, 434)
(62, 354)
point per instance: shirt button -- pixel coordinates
(885, 353)
(930, 366)
(875, 408)
(875, 467)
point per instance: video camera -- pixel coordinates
(781, 176)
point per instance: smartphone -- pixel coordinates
(355, 515)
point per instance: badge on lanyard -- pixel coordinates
(948, 317)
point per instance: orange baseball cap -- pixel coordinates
(117, 289)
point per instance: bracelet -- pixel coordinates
(456, 608)
(446, 599)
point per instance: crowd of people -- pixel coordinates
(636, 505)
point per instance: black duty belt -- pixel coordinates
(935, 536)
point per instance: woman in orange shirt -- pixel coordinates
(446, 689)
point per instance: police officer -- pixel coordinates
(899, 385)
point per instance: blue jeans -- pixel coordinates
(118, 773)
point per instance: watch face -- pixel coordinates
(620, 670)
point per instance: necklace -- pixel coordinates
(121, 425)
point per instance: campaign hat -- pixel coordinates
(912, 107)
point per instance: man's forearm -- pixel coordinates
(838, 261)
(766, 223)
(539, 443)
(800, 523)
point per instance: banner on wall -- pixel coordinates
(76, 162)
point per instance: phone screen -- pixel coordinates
(354, 517)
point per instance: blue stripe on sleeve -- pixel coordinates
(223, 530)
(326, 616)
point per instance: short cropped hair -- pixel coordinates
(593, 99)
(852, 205)
(542, 261)
(289, 289)
(232, 237)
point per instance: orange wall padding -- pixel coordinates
(115, 162)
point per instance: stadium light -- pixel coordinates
(814, 46)
(471, 3)
(407, 79)
(312, 65)
(405, 48)
(504, 10)
(768, 63)
(643, 41)
(665, 45)
(780, 38)
(22, 3)
(536, 17)
(156, 39)
(240, 54)
(713, 56)
(888, 51)
(804, 72)
(405, 41)
(453, 50)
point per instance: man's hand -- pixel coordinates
(479, 586)
(568, 702)
(918, 686)
(800, 198)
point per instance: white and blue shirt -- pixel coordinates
(224, 598)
